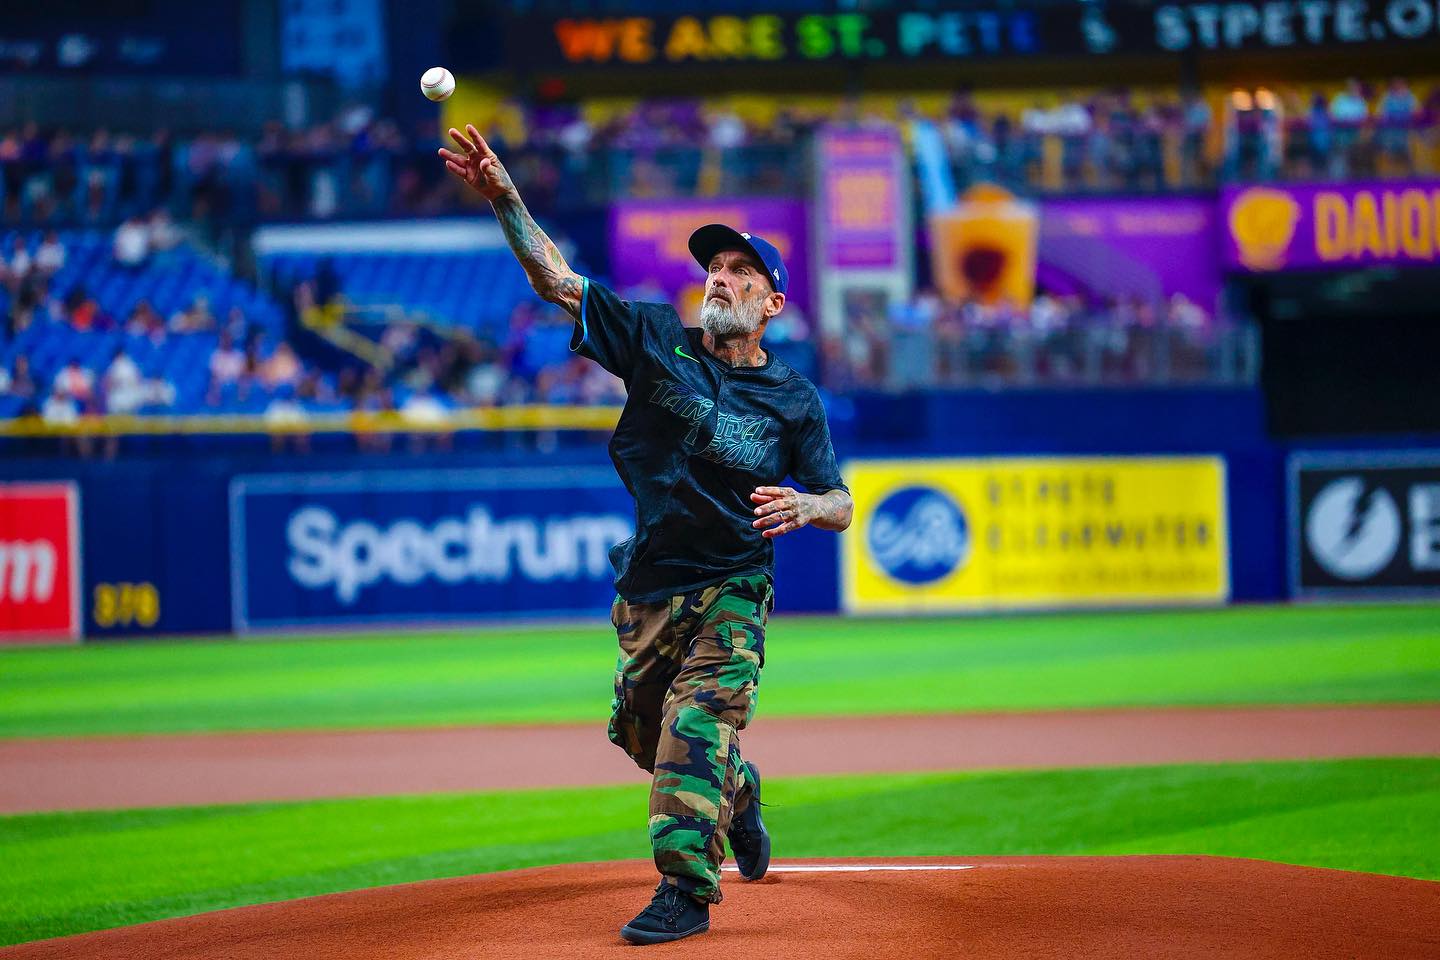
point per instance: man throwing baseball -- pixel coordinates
(712, 426)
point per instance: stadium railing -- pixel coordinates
(526, 417)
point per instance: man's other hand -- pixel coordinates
(782, 509)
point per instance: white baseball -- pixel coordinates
(437, 83)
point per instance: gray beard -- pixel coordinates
(721, 319)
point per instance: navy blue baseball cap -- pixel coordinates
(714, 237)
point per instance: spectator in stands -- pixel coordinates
(284, 408)
(283, 414)
(227, 363)
(132, 243)
(123, 384)
(486, 377)
(1319, 134)
(21, 314)
(17, 382)
(597, 386)
(64, 169)
(50, 257)
(428, 410)
(145, 321)
(197, 318)
(60, 409)
(1349, 112)
(17, 269)
(1195, 121)
(161, 231)
(314, 388)
(254, 357)
(75, 381)
(1398, 112)
(281, 369)
(347, 387)
(726, 130)
(424, 372)
(424, 407)
(1185, 313)
(82, 312)
(12, 175)
(402, 340)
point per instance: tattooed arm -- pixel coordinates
(783, 509)
(482, 170)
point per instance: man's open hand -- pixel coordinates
(782, 509)
(477, 164)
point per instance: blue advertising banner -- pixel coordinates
(440, 545)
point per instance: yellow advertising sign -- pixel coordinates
(977, 534)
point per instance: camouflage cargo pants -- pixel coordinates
(684, 685)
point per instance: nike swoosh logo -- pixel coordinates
(682, 353)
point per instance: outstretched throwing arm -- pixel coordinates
(477, 165)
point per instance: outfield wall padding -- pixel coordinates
(162, 551)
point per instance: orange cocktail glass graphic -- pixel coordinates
(984, 248)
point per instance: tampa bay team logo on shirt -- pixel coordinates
(738, 441)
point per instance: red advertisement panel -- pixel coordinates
(39, 562)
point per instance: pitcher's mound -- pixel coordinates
(1064, 908)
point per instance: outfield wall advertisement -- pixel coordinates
(1307, 226)
(1148, 247)
(1016, 533)
(1365, 524)
(860, 192)
(442, 545)
(39, 562)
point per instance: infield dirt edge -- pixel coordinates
(1046, 908)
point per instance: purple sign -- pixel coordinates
(648, 243)
(860, 199)
(1147, 247)
(1300, 226)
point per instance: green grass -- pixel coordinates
(66, 873)
(815, 666)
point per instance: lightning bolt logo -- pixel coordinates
(1353, 528)
(1360, 512)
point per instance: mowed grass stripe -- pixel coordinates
(814, 667)
(67, 873)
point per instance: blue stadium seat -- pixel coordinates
(474, 289)
(170, 280)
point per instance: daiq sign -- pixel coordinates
(1272, 227)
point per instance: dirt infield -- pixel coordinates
(113, 772)
(1038, 908)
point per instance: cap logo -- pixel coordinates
(745, 235)
(776, 271)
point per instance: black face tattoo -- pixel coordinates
(748, 286)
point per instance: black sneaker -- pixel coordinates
(749, 840)
(672, 914)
